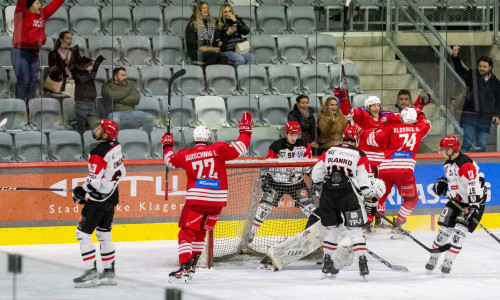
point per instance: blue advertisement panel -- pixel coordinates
(426, 175)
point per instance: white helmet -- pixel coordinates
(409, 115)
(201, 134)
(370, 100)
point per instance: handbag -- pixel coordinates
(243, 47)
(52, 85)
(69, 88)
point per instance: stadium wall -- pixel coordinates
(32, 217)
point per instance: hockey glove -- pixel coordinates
(371, 202)
(245, 124)
(167, 140)
(315, 191)
(79, 195)
(441, 186)
(471, 213)
(425, 99)
(341, 94)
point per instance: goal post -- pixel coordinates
(231, 235)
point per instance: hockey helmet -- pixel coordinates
(450, 141)
(351, 132)
(292, 127)
(110, 127)
(201, 134)
(408, 115)
(370, 100)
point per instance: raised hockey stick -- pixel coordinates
(440, 249)
(176, 75)
(385, 262)
(475, 220)
(9, 188)
(343, 80)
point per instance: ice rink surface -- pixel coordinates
(475, 274)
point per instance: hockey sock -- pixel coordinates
(185, 250)
(358, 240)
(406, 209)
(442, 238)
(198, 243)
(331, 240)
(107, 248)
(459, 234)
(87, 248)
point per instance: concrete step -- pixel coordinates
(367, 53)
(402, 81)
(360, 39)
(367, 67)
(389, 96)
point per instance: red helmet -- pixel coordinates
(450, 141)
(292, 127)
(110, 127)
(352, 132)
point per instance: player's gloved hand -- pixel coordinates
(470, 213)
(371, 201)
(246, 122)
(441, 186)
(79, 195)
(425, 99)
(341, 94)
(167, 140)
(315, 190)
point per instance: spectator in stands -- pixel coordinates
(231, 29)
(202, 36)
(403, 101)
(62, 60)
(29, 36)
(482, 101)
(331, 124)
(84, 73)
(125, 97)
(304, 114)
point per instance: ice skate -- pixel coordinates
(397, 232)
(329, 270)
(90, 278)
(381, 224)
(363, 267)
(367, 228)
(108, 277)
(192, 265)
(267, 264)
(446, 267)
(181, 275)
(431, 264)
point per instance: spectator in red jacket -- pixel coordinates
(29, 36)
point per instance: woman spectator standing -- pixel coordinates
(29, 36)
(331, 124)
(62, 60)
(202, 36)
(304, 114)
(231, 29)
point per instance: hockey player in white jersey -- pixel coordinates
(106, 169)
(464, 184)
(341, 175)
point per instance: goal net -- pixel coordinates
(235, 232)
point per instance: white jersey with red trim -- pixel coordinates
(463, 178)
(106, 169)
(206, 169)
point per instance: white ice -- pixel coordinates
(475, 274)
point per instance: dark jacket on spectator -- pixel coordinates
(488, 93)
(229, 41)
(307, 125)
(193, 43)
(57, 65)
(84, 80)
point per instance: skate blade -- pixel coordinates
(364, 278)
(108, 281)
(88, 284)
(444, 275)
(428, 272)
(329, 276)
(183, 279)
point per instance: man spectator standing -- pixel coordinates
(482, 101)
(125, 97)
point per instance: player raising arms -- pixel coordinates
(341, 176)
(105, 172)
(463, 183)
(207, 188)
(276, 184)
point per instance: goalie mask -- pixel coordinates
(201, 134)
(408, 115)
(378, 187)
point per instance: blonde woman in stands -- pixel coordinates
(331, 124)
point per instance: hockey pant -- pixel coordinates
(271, 197)
(194, 223)
(97, 218)
(407, 188)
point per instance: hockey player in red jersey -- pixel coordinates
(464, 184)
(279, 182)
(105, 172)
(401, 142)
(207, 188)
(342, 178)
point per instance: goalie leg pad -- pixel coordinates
(107, 247)
(87, 249)
(459, 234)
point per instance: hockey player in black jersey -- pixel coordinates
(276, 182)
(464, 184)
(105, 172)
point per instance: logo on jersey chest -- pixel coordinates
(285, 153)
(383, 120)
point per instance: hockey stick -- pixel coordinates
(440, 249)
(385, 262)
(343, 80)
(8, 188)
(176, 75)
(475, 220)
